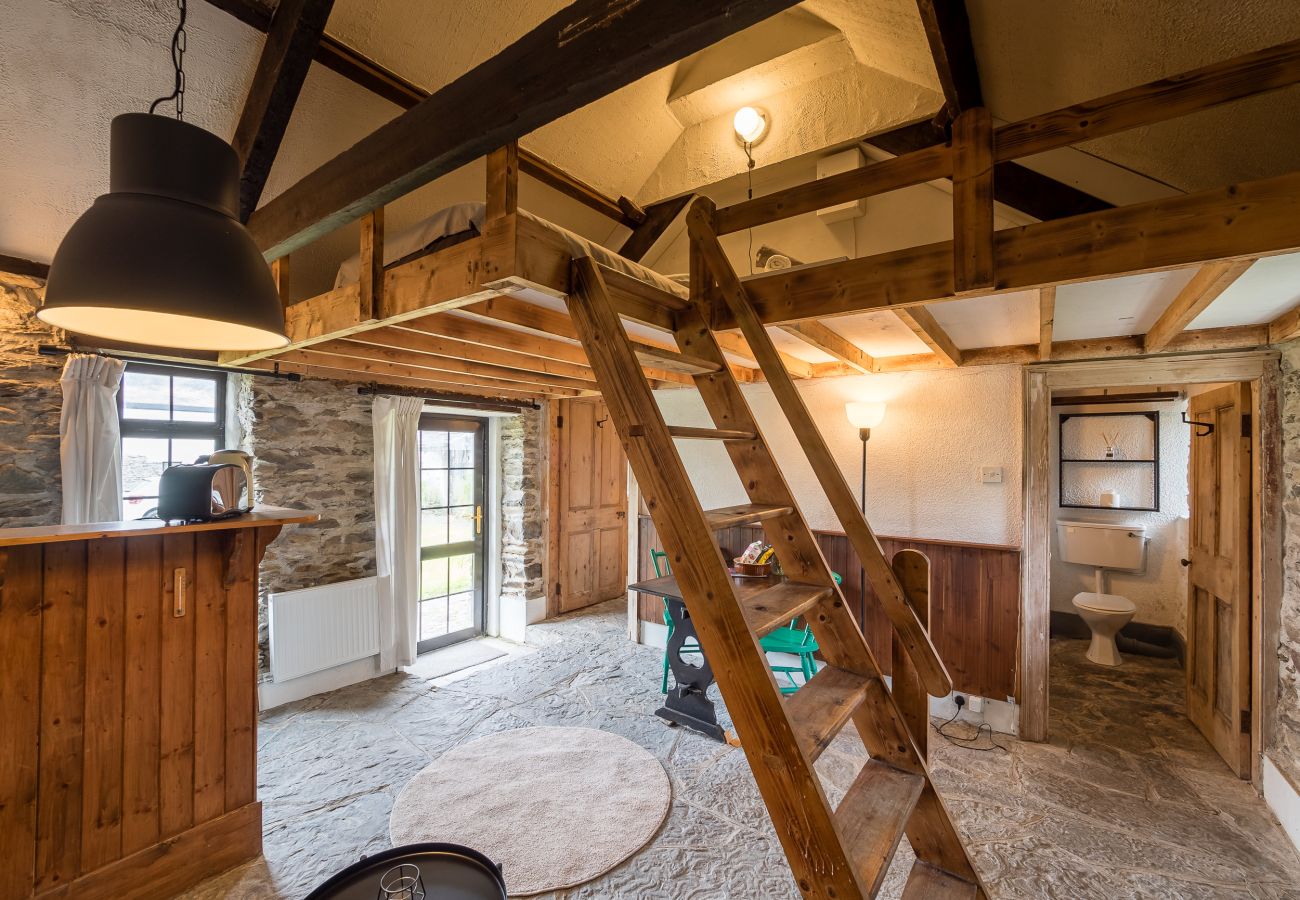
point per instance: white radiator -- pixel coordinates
(317, 628)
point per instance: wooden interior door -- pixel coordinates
(1219, 592)
(591, 540)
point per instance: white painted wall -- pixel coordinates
(924, 460)
(1160, 591)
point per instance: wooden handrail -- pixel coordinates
(868, 181)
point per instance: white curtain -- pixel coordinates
(397, 523)
(90, 446)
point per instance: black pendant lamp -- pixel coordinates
(162, 258)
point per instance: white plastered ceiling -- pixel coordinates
(830, 71)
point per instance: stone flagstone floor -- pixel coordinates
(1127, 801)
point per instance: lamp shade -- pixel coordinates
(162, 258)
(865, 414)
(750, 124)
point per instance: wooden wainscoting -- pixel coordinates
(974, 607)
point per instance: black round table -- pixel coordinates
(448, 872)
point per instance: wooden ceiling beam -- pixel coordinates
(1014, 185)
(295, 32)
(866, 181)
(359, 366)
(549, 323)
(23, 272)
(398, 338)
(659, 217)
(1210, 280)
(1285, 327)
(924, 325)
(1203, 340)
(365, 72)
(817, 335)
(366, 379)
(1046, 321)
(1265, 70)
(621, 210)
(419, 361)
(1251, 219)
(582, 53)
(947, 29)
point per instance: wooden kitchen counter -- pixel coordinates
(128, 704)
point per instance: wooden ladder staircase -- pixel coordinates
(839, 853)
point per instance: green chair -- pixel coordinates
(791, 640)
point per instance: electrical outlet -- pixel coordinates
(975, 704)
(991, 475)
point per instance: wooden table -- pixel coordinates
(687, 702)
(128, 704)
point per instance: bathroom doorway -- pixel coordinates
(1195, 504)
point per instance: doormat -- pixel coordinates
(555, 807)
(454, 658)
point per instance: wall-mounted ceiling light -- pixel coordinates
(162, 258)
(750, 125)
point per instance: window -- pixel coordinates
(168, 416)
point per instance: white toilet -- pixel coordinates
(1103, 546)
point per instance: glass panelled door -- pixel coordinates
(452, 529)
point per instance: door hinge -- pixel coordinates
(559, 421)
(557, 589)
(1245, 721)
(1246, 425)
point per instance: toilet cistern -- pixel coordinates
(1103, 546)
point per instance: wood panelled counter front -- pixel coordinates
(128, 704)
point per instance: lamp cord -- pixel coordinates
(178, 62)
(749, 195)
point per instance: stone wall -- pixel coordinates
(1285, 750)
(523, 506)
(313, 448)
(30, 400)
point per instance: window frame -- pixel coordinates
(165, 429)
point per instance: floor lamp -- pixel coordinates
(864, 415)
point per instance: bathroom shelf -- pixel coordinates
(1133, 432)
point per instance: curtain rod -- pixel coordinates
(53, 350)
(468, 401)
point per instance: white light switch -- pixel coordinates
(991, 475)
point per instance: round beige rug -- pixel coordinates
(554, 806)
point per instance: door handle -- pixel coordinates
(622, 514)
(1185, 562)
(477, 516)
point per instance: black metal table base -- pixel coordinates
(688, 703)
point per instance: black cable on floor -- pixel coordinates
(969, 743)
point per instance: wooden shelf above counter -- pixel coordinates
(128, 749)
(260, 517)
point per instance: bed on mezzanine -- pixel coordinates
(492, 260)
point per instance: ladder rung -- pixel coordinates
(768, 610)
(819, 709)
(928, 883)
(873, 815)
(744, 514)
(711, 434)
(659, 358)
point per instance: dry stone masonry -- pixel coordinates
(30, 400)
(1286, 734)
(523, 506)
(313, 448)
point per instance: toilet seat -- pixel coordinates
(1105, 603)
